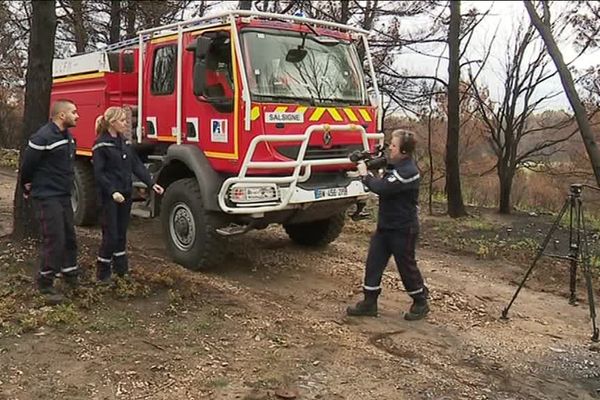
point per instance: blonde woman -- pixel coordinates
(114, 162)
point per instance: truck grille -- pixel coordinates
(318, 152)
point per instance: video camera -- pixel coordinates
(374, 160)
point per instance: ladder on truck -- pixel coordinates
(86, 63)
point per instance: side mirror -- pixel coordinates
(200, 48)
(295, 55)
(215, 95)
(224, 105)
(199, 75)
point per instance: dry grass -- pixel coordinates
(9, 158)
(531, 191)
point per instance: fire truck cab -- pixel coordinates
(245, 118)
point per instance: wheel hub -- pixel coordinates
(182, 226)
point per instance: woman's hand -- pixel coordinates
(158, 189)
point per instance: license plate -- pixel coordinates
(331, 192)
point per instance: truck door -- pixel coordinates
(160, 97)
(208, 108)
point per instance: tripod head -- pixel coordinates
(576, 189)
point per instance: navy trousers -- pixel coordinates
(401, 244)
(59, 243)
(115, 220)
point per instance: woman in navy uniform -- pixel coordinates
(114, 162)
(397, 228)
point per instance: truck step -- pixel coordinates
(141, 210)
(234, 229)
(139, 184)
(360, 213)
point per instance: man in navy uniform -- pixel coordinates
(397, 228)
(47, 176)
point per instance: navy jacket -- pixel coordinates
(48, 162)
(398, 191)
(114, 161)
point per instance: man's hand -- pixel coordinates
(26, 190)
(362, 168)
(118, 197)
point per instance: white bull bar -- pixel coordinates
(289, 196)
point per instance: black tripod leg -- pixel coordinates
(591, 302)
(588, 276)
(537, 257)
(574, 249)
(573, 283)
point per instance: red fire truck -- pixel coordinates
(246, 118)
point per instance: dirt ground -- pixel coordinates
(270, 324)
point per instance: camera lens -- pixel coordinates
(356, 156)
(377, 163)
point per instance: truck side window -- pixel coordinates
(163, 70)
(219, 77)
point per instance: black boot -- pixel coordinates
(366, 307)
(418, 310)
(51, 295)
(120, 265)
(103, 272)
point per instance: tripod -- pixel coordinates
(578, 253)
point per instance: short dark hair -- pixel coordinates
(59, 106)
(408, 141)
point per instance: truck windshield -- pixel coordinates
(282, 66)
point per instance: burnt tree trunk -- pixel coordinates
(38, 83)
(543, 28)
(115, 21)
(506, 174)
(245, 5)
(430, 156)
(79, 30)
(344, 12)
(130, 18)
(456, 207)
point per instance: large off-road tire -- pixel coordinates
(316, 233)
(189, 229)
(84, 196)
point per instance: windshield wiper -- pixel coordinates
(275, 97)
(309, 100)
(331, 100)
(347, 101)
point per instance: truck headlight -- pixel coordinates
(247, 193)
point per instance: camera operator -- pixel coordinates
(397, 228)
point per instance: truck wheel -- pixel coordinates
(316, 233)
(189, 229)
(83, 197)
